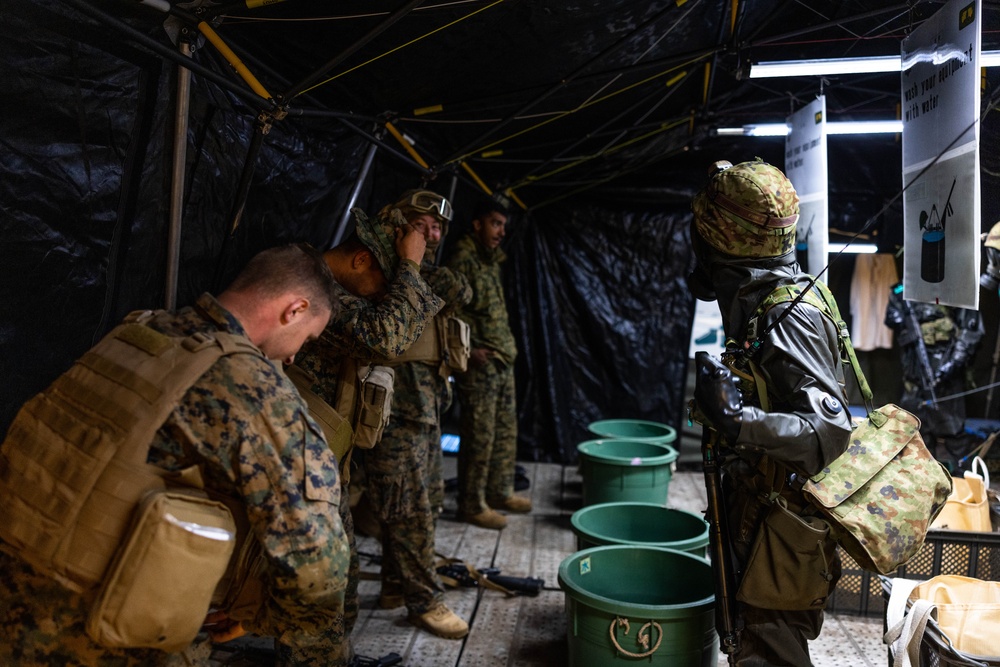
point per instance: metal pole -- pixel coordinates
(359, 182)
(177, 178)
(305, 83)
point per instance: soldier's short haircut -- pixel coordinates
(352, 243)
(486, 206)
(297, 266)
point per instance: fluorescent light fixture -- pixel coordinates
(856, 248)
(865, 127)
(781, 68)
(842, 127)
(823, 67)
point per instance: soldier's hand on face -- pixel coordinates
(410, 243)
(718, 397)
(480, 356)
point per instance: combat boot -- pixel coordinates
(485, 519)
(441, 621)
(391, 595)
(511, 503)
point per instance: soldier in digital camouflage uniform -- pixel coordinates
(743, 235)
(385, 304)
(244, 423)
(403, 472)
(486, 392)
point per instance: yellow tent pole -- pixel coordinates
(233, 60)
(510, 193)
(406, 144)
(476, 178)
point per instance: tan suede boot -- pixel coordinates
(486, 519)
(518, 504)
(441, 621)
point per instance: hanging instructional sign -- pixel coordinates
(940, 97)
(706, 330)
(805, 167)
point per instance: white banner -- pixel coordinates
(941, 217)
(707, 334)
(805, 167)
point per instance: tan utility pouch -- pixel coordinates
(159, 587)
(374, 405)
(790, 563)
(459, 344)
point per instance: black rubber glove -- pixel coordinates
(717, 396)
(955, 364)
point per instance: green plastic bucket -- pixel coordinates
(618, 471)
(618, 594)
(634, 429)
(640, 524)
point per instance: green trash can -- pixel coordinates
(634, 429)
(640, 524)
(616, 595)
(625, 471)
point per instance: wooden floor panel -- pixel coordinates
(530, 631)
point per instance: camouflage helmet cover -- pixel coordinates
(379, 236)
(992, 238)
(747, 210)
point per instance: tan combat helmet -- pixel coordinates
(747, 210)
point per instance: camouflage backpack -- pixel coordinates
(882, 494)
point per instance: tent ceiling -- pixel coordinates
(555, 98)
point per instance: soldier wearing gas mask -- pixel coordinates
(937, 344)
(781, 413)
(990, 280)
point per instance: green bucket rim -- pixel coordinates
(683, 545)
(667, 438)
(611, 606)
(669, 455)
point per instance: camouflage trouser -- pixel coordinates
(42, 624)
(488, 446)
(435, 470)
(335, 649)
(397, 485)
(769, 637)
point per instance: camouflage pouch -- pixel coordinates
(882, 494)
(374, 406)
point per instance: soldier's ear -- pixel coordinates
(362, 259)
(294, 310)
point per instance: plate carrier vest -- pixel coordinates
(73, 465)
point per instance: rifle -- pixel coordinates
(914, 335)
(722, 561)
(387, 660)
(465, 575)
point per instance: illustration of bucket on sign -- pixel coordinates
(625, 471)
(640, 524)
(932, 240)
(634, 429)
(632, 605)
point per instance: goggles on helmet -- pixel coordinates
(429, 202)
